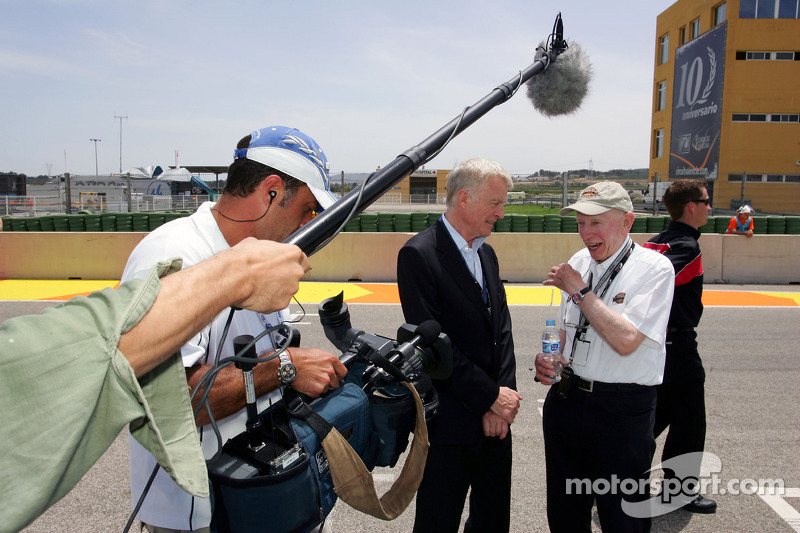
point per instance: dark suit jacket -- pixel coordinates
(435, 283)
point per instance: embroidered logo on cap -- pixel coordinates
(589, 192)
(303, 146)
(619, 298)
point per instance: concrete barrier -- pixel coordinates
(372, 257)
(65, 255)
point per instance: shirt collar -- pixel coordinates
(461, 242)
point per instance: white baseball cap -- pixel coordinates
(294, 153)
(601, 197)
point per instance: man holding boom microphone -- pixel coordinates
(598, 420)
(118, 349)
(279, 177)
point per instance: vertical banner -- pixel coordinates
(697, 106)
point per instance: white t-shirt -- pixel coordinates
(194, 239)
(642, 294)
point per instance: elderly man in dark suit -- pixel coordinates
(447, 273)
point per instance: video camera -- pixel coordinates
(419, 354)
(277, 472)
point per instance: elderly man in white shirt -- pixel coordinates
(598, 420)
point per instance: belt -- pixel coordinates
(598, 386)
(678, 330)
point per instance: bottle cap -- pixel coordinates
(550, 322)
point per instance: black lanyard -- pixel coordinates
(606, 280)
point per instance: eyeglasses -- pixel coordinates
(706, 201)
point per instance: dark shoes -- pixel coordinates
(701, 505)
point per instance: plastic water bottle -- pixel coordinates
(551, 347)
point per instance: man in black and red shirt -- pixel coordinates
(681, 396)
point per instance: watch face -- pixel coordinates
(577, 298)
(287, 373)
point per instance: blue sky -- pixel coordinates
(366, 79)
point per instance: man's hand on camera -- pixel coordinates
(317, 371)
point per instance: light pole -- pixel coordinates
(120, 140)
(95, 141)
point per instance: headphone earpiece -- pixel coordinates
(272, 195)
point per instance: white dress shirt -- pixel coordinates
(642, 294)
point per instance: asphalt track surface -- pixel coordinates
(749, 340)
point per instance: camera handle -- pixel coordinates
(253, 423)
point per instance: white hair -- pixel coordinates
(472, 175)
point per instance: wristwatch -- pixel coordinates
(286, 371)
(577, 298)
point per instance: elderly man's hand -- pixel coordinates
(545, 370)
(494, 426)
(565, 278)
(506, 406)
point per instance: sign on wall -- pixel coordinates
(697, 106)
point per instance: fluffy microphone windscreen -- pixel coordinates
(561, 87)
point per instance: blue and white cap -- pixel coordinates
(294, 153)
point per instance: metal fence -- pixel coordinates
(432, 198)
(33, 206)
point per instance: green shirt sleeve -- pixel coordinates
(67, 392)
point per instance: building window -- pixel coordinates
(767, 56)
(661, 95)
(658, 146)
(695, 29)
(719, 14)
(784, 118)
(769, 9)
(766, 178)
(663, 49)
(787, 9)
(764, 117)
(765, 9)
(682, 36)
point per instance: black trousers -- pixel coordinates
(681, 404)
(450, 471)
(598, 448)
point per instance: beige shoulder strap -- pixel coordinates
(353, 483)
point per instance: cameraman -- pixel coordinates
(449, 274)
(278, 179)
(109, 350)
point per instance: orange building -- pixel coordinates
(726, 100)
(422, 187)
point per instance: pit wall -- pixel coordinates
(371, 257)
